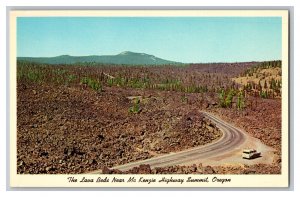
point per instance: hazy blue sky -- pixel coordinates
(187, 39)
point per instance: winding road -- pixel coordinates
(232, 138)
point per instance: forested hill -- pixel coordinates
(126, 57)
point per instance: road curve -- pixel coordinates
(232, 137)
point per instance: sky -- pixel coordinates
(182, 39)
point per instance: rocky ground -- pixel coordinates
(73, 129)
(199, 169)
(261, 119)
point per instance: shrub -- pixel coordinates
(263, 94)
(136, 107)
(70, 79)
(92, 83)
(110, 82)
(184, 99)
(34, 75)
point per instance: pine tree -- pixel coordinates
(259, 86)
(265, 85)
(229, 97)
(240, 101)
(222, 98)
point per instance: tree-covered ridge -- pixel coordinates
(262, 80)
(126, 58)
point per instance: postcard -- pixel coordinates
(149, 98)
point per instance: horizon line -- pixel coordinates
(216, 62)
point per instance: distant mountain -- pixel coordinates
(126, 57)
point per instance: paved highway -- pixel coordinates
(232, 137)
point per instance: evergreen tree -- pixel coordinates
(229, 97)
(240, 101)
(265, 85)
(222, 98)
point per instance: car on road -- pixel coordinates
(250, 153)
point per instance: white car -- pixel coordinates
(250, 154)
